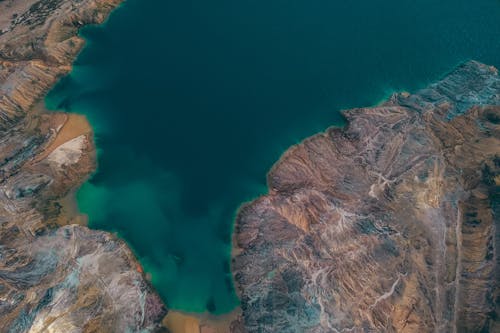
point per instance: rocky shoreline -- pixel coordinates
(390, 224)
(387, 225)
(55, 276)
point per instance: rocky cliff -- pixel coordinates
(390, 224)
(55, 276)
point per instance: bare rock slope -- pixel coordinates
(390, 224)
(55, 277)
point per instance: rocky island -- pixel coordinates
(389, 224)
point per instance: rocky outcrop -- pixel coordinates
(390, 224)
(55, 276)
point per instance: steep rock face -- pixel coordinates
(55, 277)
(387, 225)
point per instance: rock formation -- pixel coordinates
(55, 277)
(390, 224)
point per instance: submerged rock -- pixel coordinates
(390, 224)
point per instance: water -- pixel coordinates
(192, 101)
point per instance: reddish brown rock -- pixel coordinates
(389, 224)
(55, 278)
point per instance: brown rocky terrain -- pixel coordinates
(387, 225)
(55, 276)
(390, 224)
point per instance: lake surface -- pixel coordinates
(192, 101)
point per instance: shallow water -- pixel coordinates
(192, 101)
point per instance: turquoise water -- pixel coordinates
(192, 101)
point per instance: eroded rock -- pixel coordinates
(55, 277)
(387, 225)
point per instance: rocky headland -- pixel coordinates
(390, 224)
(55, 275)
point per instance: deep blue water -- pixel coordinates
(192, 101)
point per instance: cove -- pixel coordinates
(193, 101)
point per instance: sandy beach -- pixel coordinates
(179, 322)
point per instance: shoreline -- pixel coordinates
(304, 186)
(73, 125)
(54, 153)
(49, 155)
(187, 322)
